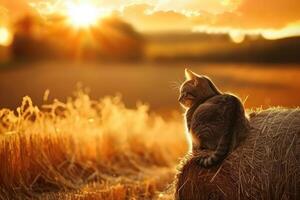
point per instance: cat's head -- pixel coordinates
(196, 88)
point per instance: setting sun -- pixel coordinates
(5, 36)
(237, 36)
(82, 15)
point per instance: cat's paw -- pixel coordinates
(206, 162)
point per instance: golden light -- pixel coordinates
(292, 29)
(82, 15)
(6, 37)
(237, 36)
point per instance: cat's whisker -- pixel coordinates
(174, 85)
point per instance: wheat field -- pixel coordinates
(85, 149)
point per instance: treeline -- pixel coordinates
(111, 38)
(220, 48)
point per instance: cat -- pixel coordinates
(215, 120)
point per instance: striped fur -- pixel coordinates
(224, 144)
(215, 132)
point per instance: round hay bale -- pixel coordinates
(264, 166)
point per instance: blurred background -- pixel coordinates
(139, 49)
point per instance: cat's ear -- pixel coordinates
(189, 75)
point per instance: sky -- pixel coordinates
(273, 18)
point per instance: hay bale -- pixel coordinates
(264, 166)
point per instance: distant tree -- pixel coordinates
(30, 41)
(117, 39)
(110, 39)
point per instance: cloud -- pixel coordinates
(246, 14)
(181, 6)
(144, 18)
(180, 15)
(196, 6)
(270, 17)
(252, 14)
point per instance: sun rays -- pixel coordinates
(82, 15)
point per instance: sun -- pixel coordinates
(5, 36)
(237, 36)
(82, 15)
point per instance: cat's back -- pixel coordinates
(214, 108)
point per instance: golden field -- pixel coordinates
(85, 149)
(81, 148)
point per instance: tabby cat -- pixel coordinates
(215, 120)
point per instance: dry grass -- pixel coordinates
(265, 166)
(85, 149)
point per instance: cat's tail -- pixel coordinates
(225, 142)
